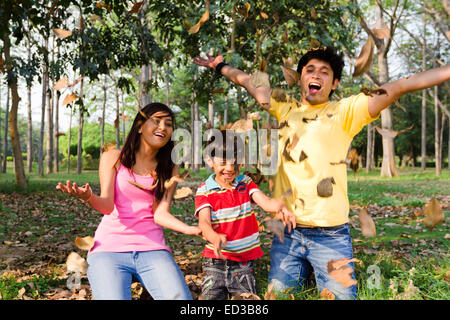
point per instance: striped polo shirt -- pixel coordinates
(231, 214)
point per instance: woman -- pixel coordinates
(129, 242)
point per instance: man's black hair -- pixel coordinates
(326, 54)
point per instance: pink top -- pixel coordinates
(130, 226)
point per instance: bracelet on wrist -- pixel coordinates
(220, 66)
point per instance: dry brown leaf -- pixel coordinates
(364, 59)
(183, 193)
(368, 228)
(75, 82)
(291, 76)
(76, 263)
(327, 295)
(205, 17)
(85, 243)
(325, 187)
(177, 178)
(382, 33)
(102, 5)
(70, 98)
(62, 34)
(264, 15)
(245, 296)
(270, 295)
(276, 227)
(315, 44)
(260, 79)
(151, 188)
(218, 90)
(433, 214)
(61, 83)
(340, 271)
(242, 125)
(95, 17)
(313, 13)
(254, 116)
(390, 134)
(263, 65)
(288, 62)
(293, 143)
(244, 10)
(136, 7)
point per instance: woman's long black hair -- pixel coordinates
(128, 154)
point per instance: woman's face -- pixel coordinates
(157, 130)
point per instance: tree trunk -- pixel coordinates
(56, 135)
(80, 130)
(5, 136)
(423, 144)
(69, 139)
(1, 147)
(437, 131)
(44, 97)
(49, 136)
(102, 137)
(13, 130)
(369, 148)
(29, 115)
(117, 122)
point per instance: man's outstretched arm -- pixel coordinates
(239, 77)
(396, 89)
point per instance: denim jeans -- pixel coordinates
(110, 275)
(307, 249)
(222, 277)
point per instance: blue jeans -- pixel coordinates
(110, 275)
(307, 249)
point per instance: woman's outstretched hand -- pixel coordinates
(83, 192)
(210, 62)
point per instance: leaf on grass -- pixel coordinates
(368, 228)
(61, 83)
(433, 214)
(276, 227)
(270, 295)
(260, 79)
(85, 243)
(195, 28)
(76, 263)
(183, 192)
(325, 187)
(177, 178)
(340, 271)
(70, 98)
(62, 34)
(136, 7)
(364, 59)
(326, 294)
(291, 76)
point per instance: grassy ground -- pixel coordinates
(404, 261)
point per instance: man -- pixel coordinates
(315, 135)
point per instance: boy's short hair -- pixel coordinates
(327, 54)
(224, 144)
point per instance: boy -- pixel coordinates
(223, 207)
(323, 130)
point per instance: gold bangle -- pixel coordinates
(92, 193)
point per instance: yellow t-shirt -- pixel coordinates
(311, 179)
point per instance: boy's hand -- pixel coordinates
(287, 217)
(218, 242)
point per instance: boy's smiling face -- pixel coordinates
(225, 169)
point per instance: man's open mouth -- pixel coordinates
(314, 87)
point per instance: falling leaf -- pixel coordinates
(151, 188)
(85, 243)
(95, 17)
(75, 82)
(183, 193)
(276, 227)
(308, 120)
(288, 62)
(313, 13)
(76, 263)
(303, 156)
(270, 295)
(260, 79)
(382, 33)
(315, 44)
(109, 146)
(369, 92)
(136, 7)
(263, 65)
(368, 228)
(325, 187)
(254, 116)
(433, 214)
(292, 143)
(264, 15)
(70, 98)
(279, 95)
(353, 158)
(340, 271)
(242, 125)
(291, 76)
(61, 83)
(390, 134)
(256, 177)
(364, 59)
(286, 153)
(203, 19)
(244, 10)
(286, 194)
(326, 294)
(62, 34)
(176, 179)
(218, 90)
(125, 117)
